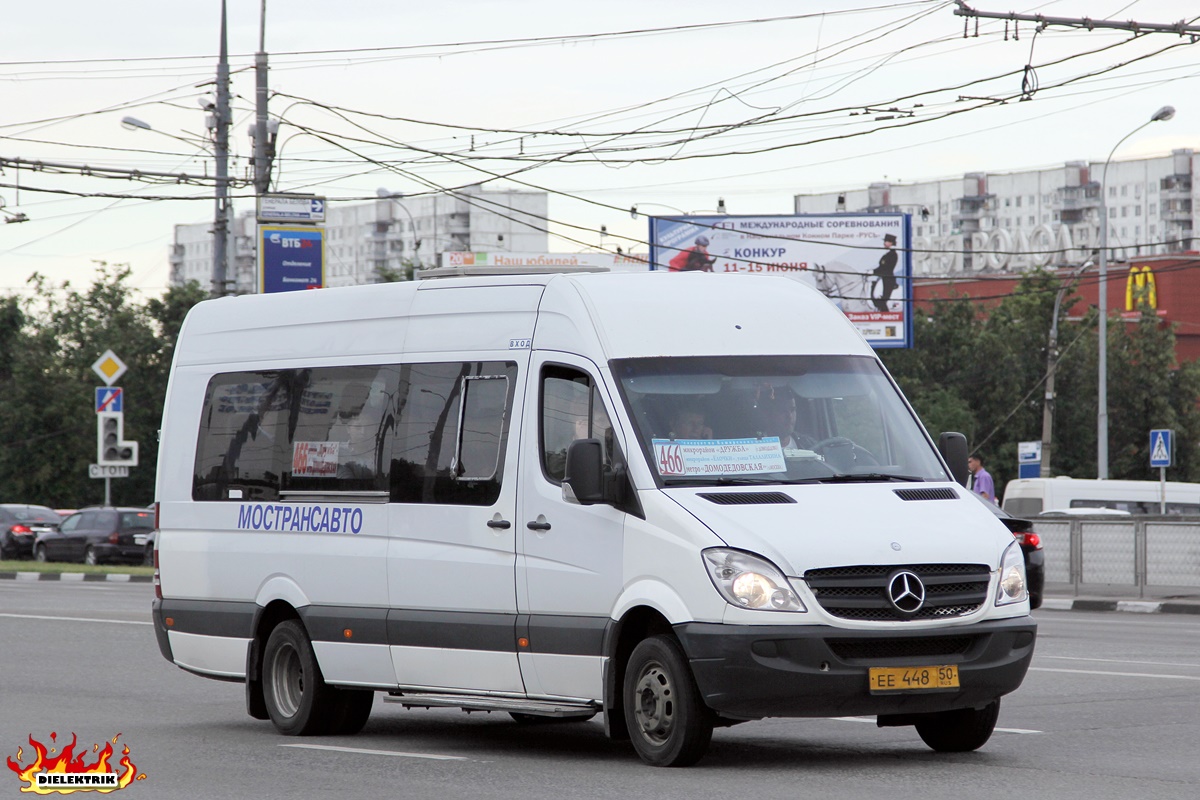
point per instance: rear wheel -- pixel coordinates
(89, 557)
(298, 700)
(961, 730)
(669, 725)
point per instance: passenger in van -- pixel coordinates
(354, 428)
(779, 419)
(688, 422)
(981, 479)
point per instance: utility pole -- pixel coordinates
(262, 172)
(221, 122)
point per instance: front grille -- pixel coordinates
(884, 649)
(860, 592)
(748, 498)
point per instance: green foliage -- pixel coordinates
(49, 340)
(981, 370)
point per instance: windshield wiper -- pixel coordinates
(869, 477)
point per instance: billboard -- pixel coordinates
(861, 262)
(290, 258)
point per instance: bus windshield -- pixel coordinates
(773, 419)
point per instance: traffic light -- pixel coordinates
(111, 448)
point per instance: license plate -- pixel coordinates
(912, 679)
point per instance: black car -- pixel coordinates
(1031, 548)
(98, 536)
(20, 525)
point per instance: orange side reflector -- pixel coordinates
(522, 642)
(170, 621)
(349, 634)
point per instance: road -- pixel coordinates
(1111, 709)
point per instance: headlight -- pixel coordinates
(749, 581)
(1012, 576)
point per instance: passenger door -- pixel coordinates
(451, 561)
(569, 556)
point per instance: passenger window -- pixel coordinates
(411, 433)
(571, 409)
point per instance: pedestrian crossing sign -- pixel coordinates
(1160, 447)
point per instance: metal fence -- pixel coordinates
(1142, 555)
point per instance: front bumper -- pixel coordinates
(755, 671)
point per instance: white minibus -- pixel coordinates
(1028, 497)
(679, 501)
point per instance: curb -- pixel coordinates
(1127, 606)
(77, 577)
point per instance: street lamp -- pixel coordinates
(135, 124)
(1051, 367)
(384, 194)
(1162, 115)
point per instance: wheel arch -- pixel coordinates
(622, 636)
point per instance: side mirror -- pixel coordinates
(953, 447)
(583, 479)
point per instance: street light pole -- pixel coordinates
(1051, 368)
(1162, 115)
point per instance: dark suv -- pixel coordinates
(20, 525)
(98, 535)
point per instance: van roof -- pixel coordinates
(605, 315)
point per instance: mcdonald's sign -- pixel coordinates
(1140, 291)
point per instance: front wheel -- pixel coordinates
(669, 724)
(961, 730)
(39, 553)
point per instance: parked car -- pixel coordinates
(1031, 548)
(20, 525)
(97, 535)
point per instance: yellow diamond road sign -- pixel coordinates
(109, 367)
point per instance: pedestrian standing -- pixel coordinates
(981, 479)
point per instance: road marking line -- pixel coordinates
(365, 751)
(78, 619)
(1116, 674)
(872, 721)
(1121, 661)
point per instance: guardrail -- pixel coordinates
(1102, 555)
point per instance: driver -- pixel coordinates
(688, 422)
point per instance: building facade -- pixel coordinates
(1011, 221)
(367, 240)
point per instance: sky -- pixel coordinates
(667, 106)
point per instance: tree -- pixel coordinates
(51, 338)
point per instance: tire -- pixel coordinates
(39, 553)
(669, 725)
(353, 710)
(148, 558)
(959, 731)
(89, 557)
(298, 700)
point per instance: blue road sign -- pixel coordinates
(110, 399)
(1160, 447)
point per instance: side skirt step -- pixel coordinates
(537, 708)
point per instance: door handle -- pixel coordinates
(538, 525)
(499, 524)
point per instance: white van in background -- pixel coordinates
(682, 501)
(1028, 497)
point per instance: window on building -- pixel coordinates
(1032, 219)
(1112, 212)
(1018, 201)
(1124, 211)
(1137, 211)
(1153, 209)
(1112, 191)
(1124, 190)
(1153, 231)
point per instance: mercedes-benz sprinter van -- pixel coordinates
(681, 501)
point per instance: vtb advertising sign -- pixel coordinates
(290, 258)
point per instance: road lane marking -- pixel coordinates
(78, 619)
(1122, 661)
(365, 751)
(1117, 674)
(872, 721)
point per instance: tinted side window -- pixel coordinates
(571, 409)
(71, 523)
(400, 431)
